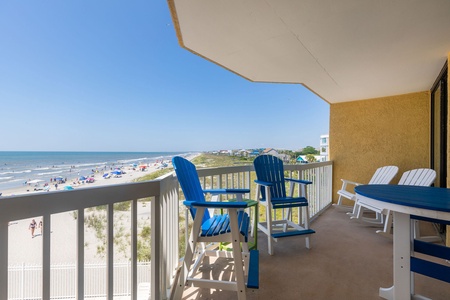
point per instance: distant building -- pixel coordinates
(324, 146)
(270, 151)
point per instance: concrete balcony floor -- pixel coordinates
(347, 260)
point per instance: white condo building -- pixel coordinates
(324, 146)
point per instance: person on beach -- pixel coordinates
(41, 225)
(32, 227)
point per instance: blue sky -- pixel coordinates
(110, 76)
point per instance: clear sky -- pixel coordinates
(84, 75)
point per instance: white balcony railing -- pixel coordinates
(164, 217)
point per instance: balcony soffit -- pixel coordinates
(341, 50)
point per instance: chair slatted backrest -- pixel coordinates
(418, 177)
(384, 175)
(269, 168)
(190, 184)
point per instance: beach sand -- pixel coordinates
(23, 248)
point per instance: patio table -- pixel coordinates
(404, 201)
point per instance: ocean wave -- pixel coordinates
(49, 173)
(90, 164)
(6, 178)
(15, 172)
(126, 161)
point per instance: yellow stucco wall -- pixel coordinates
(368, 134)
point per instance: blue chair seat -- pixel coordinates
(220, 224)
(287, 202)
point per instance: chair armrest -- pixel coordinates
(259, 182)
(227, 191)
(298, 181)
(224, 205)
(351, 182)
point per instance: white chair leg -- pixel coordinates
(387, 226)
(237, 256)
(187, 261)
(269, 229)
(306, 208)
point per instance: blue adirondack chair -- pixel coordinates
(231, 227)
(271, 193)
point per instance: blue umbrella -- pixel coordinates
(117, 172)
(68, 187)
(82, 178)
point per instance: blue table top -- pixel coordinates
(431, 198)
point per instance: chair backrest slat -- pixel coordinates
(418, 177)
(384, 175)
(270, 169)
(190, 184)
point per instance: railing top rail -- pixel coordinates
(250, 168)
(37, 204)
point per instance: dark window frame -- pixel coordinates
(441, 82)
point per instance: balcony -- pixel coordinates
(347, 260)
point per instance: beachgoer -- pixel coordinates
(41, 225)
(56, 186)
(32, 227)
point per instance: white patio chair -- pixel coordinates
(383, 175)
(417, 177)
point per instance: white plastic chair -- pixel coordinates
(383, 175)
(417, 177)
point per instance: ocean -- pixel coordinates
(17, 167)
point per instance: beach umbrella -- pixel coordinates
(68, 187)
(82, 178)
(105, 175)
(59, 178)
(116, 172)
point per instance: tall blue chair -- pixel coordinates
(271, 193)
(232, 227)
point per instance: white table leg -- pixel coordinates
(402, 253)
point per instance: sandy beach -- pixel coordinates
(24, 248)
(130, 174)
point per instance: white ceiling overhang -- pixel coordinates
(341, 50)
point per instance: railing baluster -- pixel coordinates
(80, 255)
(46, 257)
(110, 255)
(134, 228)
(156, 249)
(4, 259)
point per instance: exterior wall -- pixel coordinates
(368, 134)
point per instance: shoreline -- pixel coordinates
(130, 175)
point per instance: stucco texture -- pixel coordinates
(368, 134)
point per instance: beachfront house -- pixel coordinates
(381, 66)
